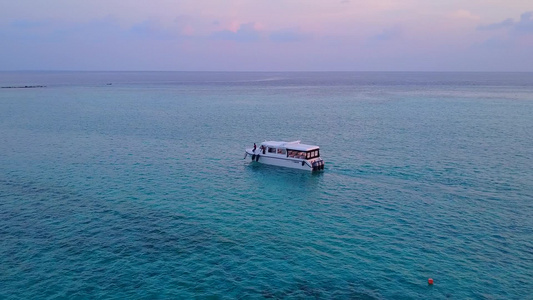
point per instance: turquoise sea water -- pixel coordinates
(139, 189)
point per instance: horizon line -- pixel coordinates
(262, 71)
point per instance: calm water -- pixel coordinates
(139, 189)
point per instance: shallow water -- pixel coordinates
(138, 189)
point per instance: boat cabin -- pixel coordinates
(290, 149)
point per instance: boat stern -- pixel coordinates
(317, 164)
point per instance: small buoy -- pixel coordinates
(430, 281)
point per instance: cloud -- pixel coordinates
(387, 34)
(27, 24)
(100, 30)
(524, 26)
(151, 30)
(245, 33)
(495, 43)
(286, 36)
(464, 14)
(56, 31)
(495, 26)
(511, 35)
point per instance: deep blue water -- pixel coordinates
(139, 189)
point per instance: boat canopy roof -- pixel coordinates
(295, 145)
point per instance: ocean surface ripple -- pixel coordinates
(138, 189)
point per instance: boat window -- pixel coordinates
(271, 150)
(281, 151)
(312, 154)
(296, 154)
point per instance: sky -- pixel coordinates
(267, 35)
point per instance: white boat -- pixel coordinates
(287, 154)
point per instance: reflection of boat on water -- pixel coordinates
(287, 154)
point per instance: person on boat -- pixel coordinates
(255, 147)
